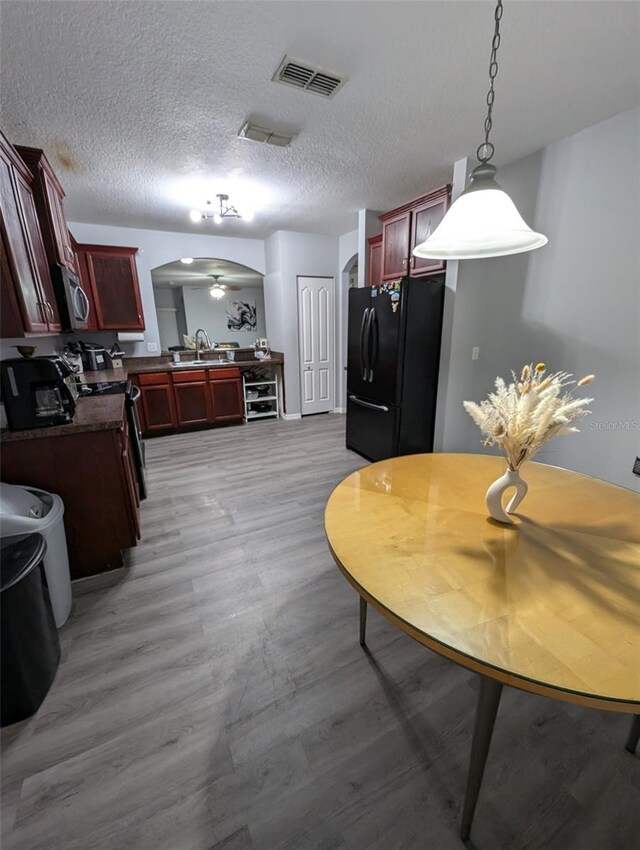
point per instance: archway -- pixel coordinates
(223, 297)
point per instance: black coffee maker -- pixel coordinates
(37, 392)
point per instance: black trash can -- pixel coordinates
(30, 646)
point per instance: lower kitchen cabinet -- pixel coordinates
(227, 399)
(94, 475)
(192, 398)
(158, 404)
(185, 399)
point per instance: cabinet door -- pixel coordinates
(192, 402)
(375, 261)
(25, 274)
(226, 394)
(159, 408)
(62, 242)
(48, 299)
(395, 246)
(424, 221)
(114, 281)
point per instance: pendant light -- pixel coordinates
(483, 221)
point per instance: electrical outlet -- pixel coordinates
(116, 363)
(475, 352)
(152, 347)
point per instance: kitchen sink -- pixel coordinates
(189, 364)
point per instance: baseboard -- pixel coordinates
(339, 410)
(289, 416)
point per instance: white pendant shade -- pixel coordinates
(483, 222)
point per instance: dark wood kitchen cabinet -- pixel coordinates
(425, 217)
(28, 306)
(226, 394)
(94, 475)
(192, 398)
(110, 273)
(185, 399)
(158, 403)
(408, 226)
(375, 259)
(49, 198)
(396, 228)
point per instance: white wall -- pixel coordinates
(347, 250)
(203, 311)
(288, 256)
(157, 247)
(574, 304)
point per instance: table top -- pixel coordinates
(550, 604)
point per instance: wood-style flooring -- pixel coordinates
(213, 695)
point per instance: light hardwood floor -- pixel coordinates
(214, 695)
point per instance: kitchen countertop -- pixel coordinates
(137, 365)
(101, 413)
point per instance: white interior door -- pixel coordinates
(316, 330)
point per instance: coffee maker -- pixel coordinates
(37, 392)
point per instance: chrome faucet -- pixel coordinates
(208, 341)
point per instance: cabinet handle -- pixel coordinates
(52, 317)
(43, 312)
(404, 263)
(413, 261)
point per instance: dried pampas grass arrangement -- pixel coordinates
(521, 418)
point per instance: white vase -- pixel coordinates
(511, 478)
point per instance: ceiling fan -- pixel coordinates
(217, 289)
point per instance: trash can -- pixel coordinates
(28, 510)
(30, 648)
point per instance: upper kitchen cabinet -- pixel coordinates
(408, 226)
(49, 198)
(396, 229)
(111, 275)
(425, 217)
(28, 305)
(375, 259)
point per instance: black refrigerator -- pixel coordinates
(392, 368)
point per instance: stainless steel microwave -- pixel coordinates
(73, 301)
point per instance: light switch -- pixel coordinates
(475, 352)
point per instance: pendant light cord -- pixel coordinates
(486, 150)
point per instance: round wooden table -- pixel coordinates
(549, 605)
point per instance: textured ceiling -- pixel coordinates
(198, 274)
(138, 104)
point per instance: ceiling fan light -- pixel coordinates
(216, 292)
(195, 216)
(217, 218)
(482, 222)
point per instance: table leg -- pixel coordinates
(634, 734)
(363, 620)
(488, 702)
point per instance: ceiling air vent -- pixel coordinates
(262, 134)
(292, 72)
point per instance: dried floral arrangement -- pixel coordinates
(522, 417)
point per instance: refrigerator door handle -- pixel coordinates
(363, 362)
(373, 345)
(382, 407)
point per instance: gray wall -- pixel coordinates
(203, 311)
(573, 304)
(288, 256)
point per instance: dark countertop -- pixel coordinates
(101, 413)
(138, 365)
